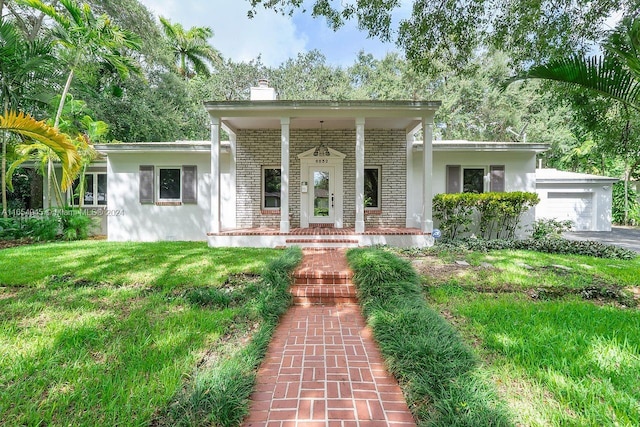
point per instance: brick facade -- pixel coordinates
(385, 148)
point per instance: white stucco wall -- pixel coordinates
(519, 175)
(132, 221)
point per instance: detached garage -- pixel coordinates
(582, 198)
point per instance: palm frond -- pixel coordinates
(48, 10)
(603, 75)
(59, 143)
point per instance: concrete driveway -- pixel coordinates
(625, 237)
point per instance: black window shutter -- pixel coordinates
(497, 178)
(146, 184)
(453, 179)
(189, 184)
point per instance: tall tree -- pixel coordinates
(451, 30)
(22, 68)
(191, 49)
(615, 75)
(85, 38)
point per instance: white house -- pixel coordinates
(583, 199)
(304, 172)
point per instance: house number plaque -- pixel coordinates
(322, 160)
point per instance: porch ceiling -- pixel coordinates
(404, 123)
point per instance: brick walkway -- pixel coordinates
(322, 367)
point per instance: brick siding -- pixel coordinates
(257, 148)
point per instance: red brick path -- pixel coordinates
(322, 367)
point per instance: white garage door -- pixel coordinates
(577, 207)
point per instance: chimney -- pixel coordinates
(263, 92)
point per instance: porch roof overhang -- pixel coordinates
(463, 145)
(181, 147)
(406, 115)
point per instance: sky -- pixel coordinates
(274, 37)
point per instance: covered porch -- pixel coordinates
(316, 150)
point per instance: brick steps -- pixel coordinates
(331, 242)
(326, 285)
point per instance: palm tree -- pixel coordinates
(85, 38)
(614, 75)
(44, 136)
(23, 66)
(190, 48)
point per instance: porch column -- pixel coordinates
(427, 184)
(215, 175)
(284, 174)
(360, 175)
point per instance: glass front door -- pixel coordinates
(323, 196)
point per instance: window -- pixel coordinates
(271, 183)
(472, 179)
(372, 188)
(168, 185)
(95, 190)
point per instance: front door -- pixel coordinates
(322, 199)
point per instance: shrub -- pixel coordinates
(550, 228)
(454, 211)
(498, 214)
(556, 245)
(76, 224)
(39, 228)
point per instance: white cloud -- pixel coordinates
(239, 38)
(274, 37)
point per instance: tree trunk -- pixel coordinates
(3, 175)
(5, 212)
(626, 191)
(50, 171)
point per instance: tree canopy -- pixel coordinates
(450, 30)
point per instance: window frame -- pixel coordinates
(94, 191)
(263, 192)
(157, 184)
(379, 206)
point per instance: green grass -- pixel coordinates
(510, 269)
(97, 333)
(166, 264)
(564, 361)
(438, 372)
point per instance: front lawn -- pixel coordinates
(98, 333)
(559, 335)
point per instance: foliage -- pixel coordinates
(76, 224)
(552, 245)
(190, 47)
(549, 228)
(451, 31)
(455, 213)
(619, 207)
(437, 371)
(498, 214)
(46, 136)
(39, 228)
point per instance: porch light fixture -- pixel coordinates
(321, 150)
